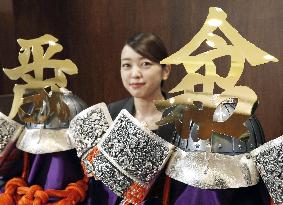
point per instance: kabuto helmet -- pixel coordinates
(47, 117)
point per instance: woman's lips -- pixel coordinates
(136, 85)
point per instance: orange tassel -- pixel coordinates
(8, 197)
(73, 194)
(17, 191)
(33, 195)
(40, 197)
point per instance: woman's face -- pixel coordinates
(141, 76)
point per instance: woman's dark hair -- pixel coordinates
(149, 46)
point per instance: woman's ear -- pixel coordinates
(166, 72)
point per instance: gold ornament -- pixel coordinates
(185, 105)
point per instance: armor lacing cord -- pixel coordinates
(135, 194)
(166, 191)
(10, 196)
(93, 153)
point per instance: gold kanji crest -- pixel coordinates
(187, 105)
(34, 58)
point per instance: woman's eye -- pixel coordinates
(125, 66)
(146, 64)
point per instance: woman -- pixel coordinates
(142, 76)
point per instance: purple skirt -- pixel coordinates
(182, 194)
(57, 170)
